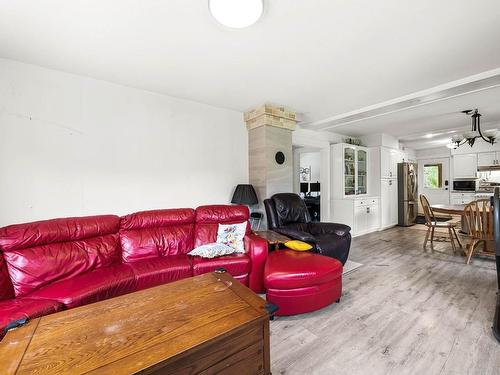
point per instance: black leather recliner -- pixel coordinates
(287, 214)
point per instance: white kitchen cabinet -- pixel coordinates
(366, 219)
(372, 218)
(465, 166)
(360, 219)
(487, 159)
(385, 162)
(462, 198)
(389, 159)
(389, 203)
(361, 214)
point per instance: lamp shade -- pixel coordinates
(244, 194)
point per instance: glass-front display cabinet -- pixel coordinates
(349, 171)
(355, 170)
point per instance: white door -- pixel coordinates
(435, 194)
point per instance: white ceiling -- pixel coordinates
(431, 125)
(320, 57)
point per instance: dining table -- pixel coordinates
(458, 210)
(450, 209)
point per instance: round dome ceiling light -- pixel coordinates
(236, 14)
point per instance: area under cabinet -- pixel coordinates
(462, 198)
(362, 214)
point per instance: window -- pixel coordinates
(433, 176)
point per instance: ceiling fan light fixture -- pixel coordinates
(236, 14)
(470, 137)
(452, 145)
(490, 133)
(471, 134)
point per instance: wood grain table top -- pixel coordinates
(451, 209)
(132, 332)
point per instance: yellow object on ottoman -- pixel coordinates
(298, 245)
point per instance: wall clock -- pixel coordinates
(279, 157)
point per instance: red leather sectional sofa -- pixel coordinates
(51, 265)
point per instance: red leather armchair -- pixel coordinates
(51, 265)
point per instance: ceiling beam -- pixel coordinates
(464, 86)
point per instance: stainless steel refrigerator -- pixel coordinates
(407, 194)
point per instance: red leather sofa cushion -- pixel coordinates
(19, 308)
(6, 288)
(151, 234)
(288, 269)
(97, 285)
(235, 264)
(38, 233)
(157, 271)
(35, 267)
(41, 253)
(208, 219)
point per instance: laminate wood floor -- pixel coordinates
(405, 311)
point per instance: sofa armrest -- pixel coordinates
(296, 234)
(256, 248)
(329, 228)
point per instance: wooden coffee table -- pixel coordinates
(205, 324)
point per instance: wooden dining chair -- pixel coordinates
(431, 223)
(479, 218)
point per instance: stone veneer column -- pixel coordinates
(269, 132)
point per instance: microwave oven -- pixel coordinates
(465, 185)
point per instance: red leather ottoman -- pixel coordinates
(301, 282)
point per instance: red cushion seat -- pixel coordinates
(97, 285)
(235, 264)
(157, 271)
(14, 309)
(288, 269)
(299, 282)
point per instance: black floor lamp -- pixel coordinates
(245, 194)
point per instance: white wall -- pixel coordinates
(313, 160)
(313, 138)
(71, 145)
(410, 154)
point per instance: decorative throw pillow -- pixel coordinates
(298, 245)
(232, 235)
(212, 250)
